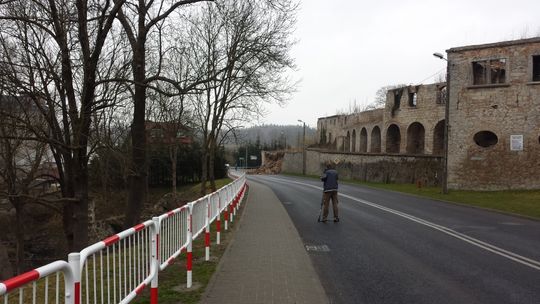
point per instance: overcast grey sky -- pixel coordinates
(348, 49)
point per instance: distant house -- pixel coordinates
(31, 159)
(168, 133)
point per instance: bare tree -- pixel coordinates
(246, 44)
(140, 20)
(59, 48)
(170, 117)
(21, 164)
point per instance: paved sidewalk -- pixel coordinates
(266, 261)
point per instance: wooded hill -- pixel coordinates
(273, 136)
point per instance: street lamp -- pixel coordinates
(303, 148)
(446, 124)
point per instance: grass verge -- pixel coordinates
(524, 203)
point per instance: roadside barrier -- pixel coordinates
(120, 267)
(43, 288)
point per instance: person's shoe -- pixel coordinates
(324, 220)
(336, 219)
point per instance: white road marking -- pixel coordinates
(318, 248)
(481, 244)
(511, 224)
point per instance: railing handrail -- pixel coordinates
(209, 207)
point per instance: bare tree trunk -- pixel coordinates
(80, 227)
(104, 168)
(67, 223)
(173, 154)
(137, 179)
(19, 233)
(68, 210)
(204, 169)
(211, 165)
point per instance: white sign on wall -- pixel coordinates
(516, 142)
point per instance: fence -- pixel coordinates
(117, 269)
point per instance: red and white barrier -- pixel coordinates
(120, 267)
(173, 235)
(40, 280)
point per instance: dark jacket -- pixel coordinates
(330, 179)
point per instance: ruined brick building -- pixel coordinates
(494, 121)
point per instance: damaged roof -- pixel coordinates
(496, 44)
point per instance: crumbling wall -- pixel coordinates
(426, 111)
(272, 163)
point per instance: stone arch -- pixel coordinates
(416, 136)
(353, 141)
(438, 138)
(347, 143)
(363, 140)
(393, 139)
(375, 140)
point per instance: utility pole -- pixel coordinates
(446, 124)
(303, 148)
(245, 164)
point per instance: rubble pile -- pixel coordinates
(272, 163)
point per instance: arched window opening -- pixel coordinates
(393, 139)
(438, 138)
(375, 146)
(353, 143)
(363, 140)
(416, 138)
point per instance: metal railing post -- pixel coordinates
(154, 294)
(207, 228)
(218, 219)
(189, 253)
(73, 295)
(230, 204)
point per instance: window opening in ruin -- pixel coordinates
(415, 138)
(489, 71)
(442, 95)
(485, 139)
(438, 138)
(323, 136)
(412, 99)
(397, 100)
(536, 68)
(353, 139)
(363, 140)
(375, 140)
(393, 139)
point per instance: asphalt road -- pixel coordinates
(396, 248)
